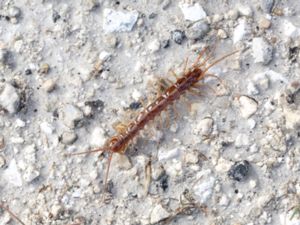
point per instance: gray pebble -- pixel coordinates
(71, 115)
(239, 171)
(9, 98)
(198, 30)
(14, 12)
(262, 51)
(68, 138)
(178, 36)
(4, 54)
(267, 5)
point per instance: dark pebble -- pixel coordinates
(165, 43)
(239, 171)
(152, 15)
(178, 36)
(96, 104)
(55, 16)
(28, 72)
(135, 105)
(164, 182)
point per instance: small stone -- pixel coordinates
(135, 105)
(252, 89)
(20, 123)
(12, 175)
(242, 140)
(14, 12)
(28, 72)
(2, 161)
(267, 5)
(154, 46)
(68, 137)
(49, 85)
(4, 54)
(56, 210)
(2, 142)
(136, 95)
(245, 10)
(71, 115)
(97, 138)
(222, 34)
(9, 98)
(233, 14)
(30, 174)
(118, 21)
(203, 189)
(191, 157)
(158, 214)
(46, 127)
(178, 36)
(44, 68)
(192, 12)
(252, 184)
(164, 154)
(205, 127)
(197, 31)
(262, 51)
(240, 31)
(239, 171)
(157, 171)
(165, 43)
(104, 56)
(248, 106)
(55, 16)
(122, 161)
(224, 201)
(289, 29)
(264, 23)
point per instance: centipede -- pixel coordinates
(186, 82)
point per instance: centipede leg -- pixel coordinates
(107, 171)
(201, 53)
(11, 214)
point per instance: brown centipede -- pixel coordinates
(189, 79)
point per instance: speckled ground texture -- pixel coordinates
(71, 71)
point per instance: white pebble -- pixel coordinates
(262, 51)
(136, 95)
(20, 123)
(224, 201)
(240, 31)
(49, 85)
(154, 46)
(191, 157)
(46, 127)
(118, 21)
(205, 127)
(251, 123)
(104, 56)
(164, 154)
(248, 106)
(97, 138)
(30, 174)
(192, 12)
(158, 214)
(14, 12)
(12, 174)
(252, 89)
(242, 140)
(9, 98)
(245, 10)
(203, 189)
(71, 114)
(122, 161)
(289, 30)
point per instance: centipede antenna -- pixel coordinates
(219, 60)
(87, 152)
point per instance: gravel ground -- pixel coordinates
(71, 71)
